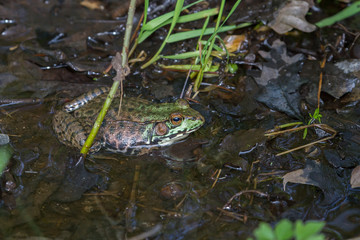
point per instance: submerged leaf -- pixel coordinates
(355, 177)
(301, 176)
(319, 175)
(280, 80)
(292, 15)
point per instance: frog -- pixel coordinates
(137, 129)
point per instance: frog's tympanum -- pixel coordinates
(140, 126)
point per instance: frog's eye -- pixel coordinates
(176, 119)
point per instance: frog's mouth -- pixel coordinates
(171, 139)
(175, 137)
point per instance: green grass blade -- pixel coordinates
(345, 13)
(182, 55)
(198, 15)
(176, 37)
(177, 12)
(161, 19)
(188, 67)
(146, 6)
(211, 41)
(218, 54)
(182, 19)
(206, 23)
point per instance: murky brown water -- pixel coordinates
(50, 50)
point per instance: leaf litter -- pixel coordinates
(235, 124)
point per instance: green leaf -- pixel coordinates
(213, 68)
(317, 237)
(264, 232)
(196, 33)
(310, 228)
(284, 230)
(177, 12)
(182, 55)
(161, 19)
(347, 12)
(5, 155)
(182, 19)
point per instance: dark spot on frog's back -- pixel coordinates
(112, 129)
(119, 135)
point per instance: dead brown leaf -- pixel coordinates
(299, 176)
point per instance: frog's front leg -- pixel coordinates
(71, 132)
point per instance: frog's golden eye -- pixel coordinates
(176, 119)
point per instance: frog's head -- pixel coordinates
(182, 121)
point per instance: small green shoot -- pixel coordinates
(313, 118)
(286, 230)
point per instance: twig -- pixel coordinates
(261, 194)
(147, 234)
(169, 213)
(185, 83)
(217, 177)
(237, 216)
(131, 208)
(322, 65)
(324, 127)
(135, 34)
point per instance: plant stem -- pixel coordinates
(121, 72)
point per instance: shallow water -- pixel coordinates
(179, 192)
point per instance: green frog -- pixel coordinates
(141, 125)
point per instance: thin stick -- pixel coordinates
(134, 36)
(130, 210)
(321, 126)
(152, 232)
(185, 83)
(217, 178)
(261, 194)
(322, 65)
